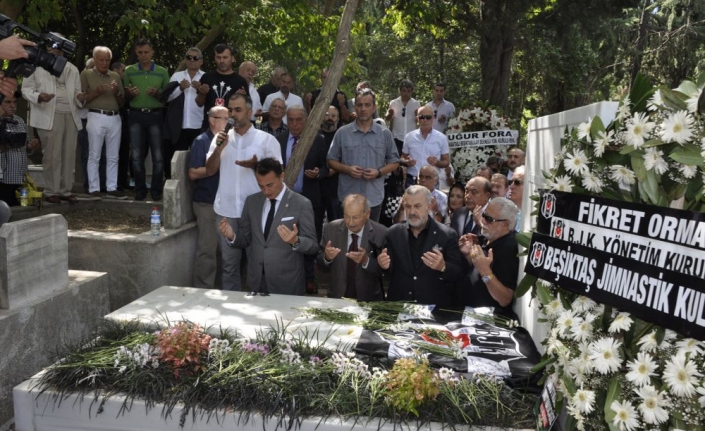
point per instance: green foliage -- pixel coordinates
(410, 383)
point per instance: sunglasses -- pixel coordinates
(491, 220)
(516, 182)
(425, 117)
(193, 58)
(403, 111)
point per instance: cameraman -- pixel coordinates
(12, 48)
(14, 144)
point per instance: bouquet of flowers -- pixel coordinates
(466, 160)
(613, 370)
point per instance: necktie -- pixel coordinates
(351, 290)
(293, 146)
(469, 224)
(270, 218)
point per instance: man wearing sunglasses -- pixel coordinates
(494, 266)
(516, 186)
(401, 115)
(184, 116)
(424, 146)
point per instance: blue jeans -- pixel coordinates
(146, 134)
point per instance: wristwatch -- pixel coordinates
(486, 278)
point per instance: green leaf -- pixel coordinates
(545, 361)
(613, 393)
(525, 284)
(638, 166)
(627, 149)
(596, 126)
(687, 87)
(524, 238)
(653, 143)
(688, 154)
(569, 384)
(673, 100)
(640, 93)
(544, 294)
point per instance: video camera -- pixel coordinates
(38, 56)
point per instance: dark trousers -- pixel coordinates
(146, 134)
(186, 138)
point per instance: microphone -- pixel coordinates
(231, 123)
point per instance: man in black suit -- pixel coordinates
(348, 246)
(478, 191)
(308, 183)
(422, 255)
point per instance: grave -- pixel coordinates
(43, 304)
(226, 310)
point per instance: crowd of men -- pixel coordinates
(376, 198)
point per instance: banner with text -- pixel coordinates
(483, 138)
(647, 260)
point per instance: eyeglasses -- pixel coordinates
(435, 112)
(403, 111)
(425, 117)
(219, 118)
(193, 58)
(516, 182)
(491, 220)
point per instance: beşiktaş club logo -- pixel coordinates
(557, 228)
(538, 250)
(548, 207)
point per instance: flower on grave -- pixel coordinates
(642, 376)
(183, 347)
(410, 383)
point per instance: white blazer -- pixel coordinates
(41, 115)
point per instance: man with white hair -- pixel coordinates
(421, 256)
(494, 265)
(104, 95)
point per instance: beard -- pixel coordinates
(328, 126)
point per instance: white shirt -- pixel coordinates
(292, 100)
(238, 182)
(419, 148)
(268, 204)
(256, 102)
(193, 114)
(445, 108)
(401, 125)
(441, 200)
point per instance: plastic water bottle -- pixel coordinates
(156, 222)
(24, 197)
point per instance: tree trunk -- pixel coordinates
(640, 42)
(497, 49)
(12, 8)
(313, 124)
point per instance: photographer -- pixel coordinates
(12, 48)
(14, 144)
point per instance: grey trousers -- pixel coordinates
(205, 265)
(231, 258)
